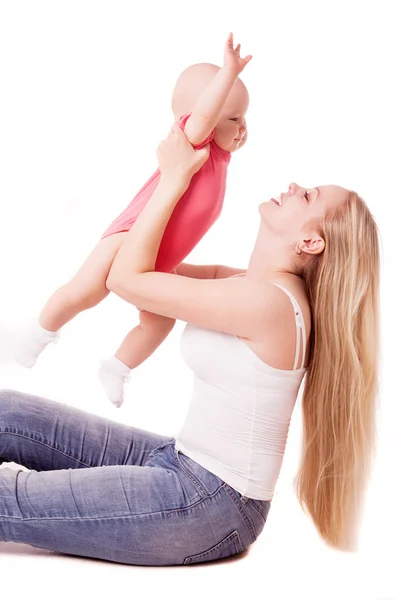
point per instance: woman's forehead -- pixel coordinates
(332, 195)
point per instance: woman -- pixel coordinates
(306, 305)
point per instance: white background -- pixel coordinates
(85, 99)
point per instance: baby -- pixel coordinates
(210, 104)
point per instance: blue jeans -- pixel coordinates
(101, 489)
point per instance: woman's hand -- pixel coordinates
(178, 160)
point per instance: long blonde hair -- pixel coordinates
(341, 382)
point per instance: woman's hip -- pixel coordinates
(215, 521)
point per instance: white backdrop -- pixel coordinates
(85, 99)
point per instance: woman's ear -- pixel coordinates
(314, 245)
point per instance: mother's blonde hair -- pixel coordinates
(341, 382)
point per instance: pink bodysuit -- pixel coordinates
(194, 214)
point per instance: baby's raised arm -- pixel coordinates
(207, 109)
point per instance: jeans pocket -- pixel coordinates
(158, 449)
(227, 547)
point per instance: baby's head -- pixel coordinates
(231, 130)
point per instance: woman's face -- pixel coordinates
(290, 215)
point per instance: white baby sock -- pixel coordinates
(113, 374)
(32, 343)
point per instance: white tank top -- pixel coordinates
(240, 411)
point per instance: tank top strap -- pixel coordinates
(300, 326)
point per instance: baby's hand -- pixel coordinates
(232, 56)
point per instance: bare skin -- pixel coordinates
(88, 287)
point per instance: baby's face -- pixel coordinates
(231, 128)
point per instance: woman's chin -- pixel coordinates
(263, 206)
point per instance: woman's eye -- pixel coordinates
(306, 195)
(235, 119)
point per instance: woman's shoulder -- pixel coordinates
(277, 343)
(294, 289)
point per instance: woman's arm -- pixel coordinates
(207, 271)
(206, 112)
(238, 305)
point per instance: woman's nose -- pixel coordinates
(293, 188)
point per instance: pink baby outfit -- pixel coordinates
(194, 214)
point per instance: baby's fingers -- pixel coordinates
(229, 42)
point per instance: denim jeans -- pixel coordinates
(97, 488)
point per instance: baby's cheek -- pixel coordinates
(223, 137)
(218, 136)
(218, 132)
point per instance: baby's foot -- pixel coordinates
(32, 343)
(113, 375)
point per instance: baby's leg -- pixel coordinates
(144, 339)
(86, 289)
(137, 346)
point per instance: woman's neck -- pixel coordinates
(268, 263)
